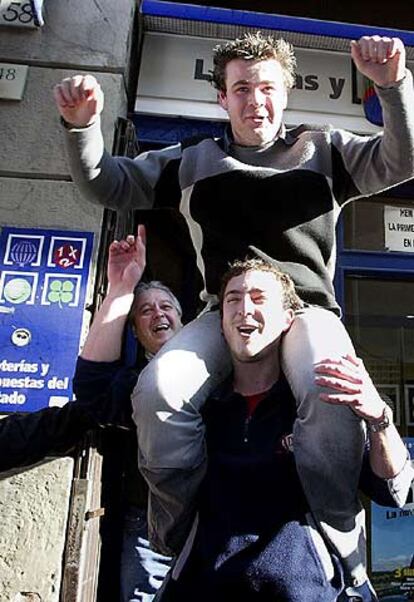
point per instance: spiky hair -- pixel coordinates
(253, 47)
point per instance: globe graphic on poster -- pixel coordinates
(23, 252)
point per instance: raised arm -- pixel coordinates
(119, 183)
(365, 165)
(126, 265)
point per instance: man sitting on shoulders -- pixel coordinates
(254, 537)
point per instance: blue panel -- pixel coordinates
(43, 280)
(303, 25)
(368, 261)
(172, 130)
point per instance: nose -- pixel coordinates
(158, 311)
(247, 307)
(256, 97)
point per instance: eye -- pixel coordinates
(242, 90)
(232, 299)
(166, 307)
(269, 89)
(258, 299)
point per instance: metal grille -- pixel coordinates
(203, 29)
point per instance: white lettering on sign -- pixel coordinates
(399, 228)
(25, 382)
(13, 398)
(58, 383)
(45, 369)
(16, 13)
(15, 376)
(21, 366)
(12, 81)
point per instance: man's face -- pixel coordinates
(255, 99)
(156, 319)
(253, 315)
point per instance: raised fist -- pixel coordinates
(79, 99)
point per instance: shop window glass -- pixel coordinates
(379, 315)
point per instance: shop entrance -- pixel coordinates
(379, 315)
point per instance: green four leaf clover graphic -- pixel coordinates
(61, 291)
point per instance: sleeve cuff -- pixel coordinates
(394, 86)
(399, 486)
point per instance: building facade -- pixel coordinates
(152, 59)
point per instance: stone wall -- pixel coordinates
(36, 192)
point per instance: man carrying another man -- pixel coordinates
(255, 537)
(279, 191)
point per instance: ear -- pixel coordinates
(222, 99)
(289, 317)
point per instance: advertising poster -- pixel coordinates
(392, 547)
(43, 280)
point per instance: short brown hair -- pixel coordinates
(290, 297)
(253, 47)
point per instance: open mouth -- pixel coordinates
(258, 119)
(246, 329)
(160, 328)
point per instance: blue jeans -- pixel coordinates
(142, 570)
(329, 439)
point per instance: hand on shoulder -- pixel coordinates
(348, 383)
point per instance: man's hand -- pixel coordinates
(79, 100)
(351, 385)
(381, 59)
(126, 262)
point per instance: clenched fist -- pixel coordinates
(381, 59)
(79, 100)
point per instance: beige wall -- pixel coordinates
(35, 191)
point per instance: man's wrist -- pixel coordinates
(73, 126)
(394, 84)
(383, 422)
(120, 292)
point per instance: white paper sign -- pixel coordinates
(16, 13)
(12, 81)
(399, 228)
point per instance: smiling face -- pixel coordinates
(156, 319)
(255, 98)
(253, 315)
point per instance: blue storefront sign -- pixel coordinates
(43, 280)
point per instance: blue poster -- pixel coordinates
(392, 546)
(43, 280)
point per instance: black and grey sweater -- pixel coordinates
(283, 198)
